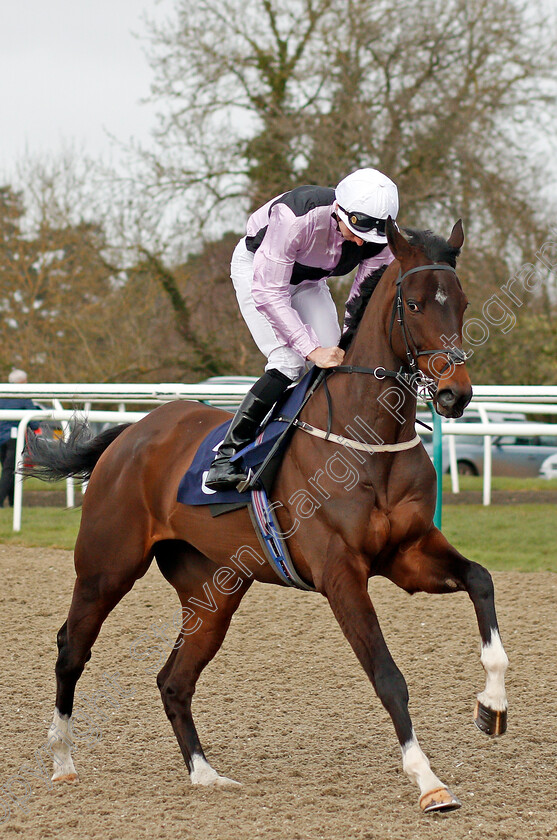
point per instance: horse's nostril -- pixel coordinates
(446, 398)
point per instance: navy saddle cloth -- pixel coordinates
(192, 489)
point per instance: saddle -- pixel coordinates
(192, 489)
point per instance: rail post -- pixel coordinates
(438, 464)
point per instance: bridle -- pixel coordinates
(455, 355)
(415, 379)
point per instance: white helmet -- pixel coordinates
(365, 199)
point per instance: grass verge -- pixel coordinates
(518, 537)
(46, 486)
(47, 527)
(501, 482)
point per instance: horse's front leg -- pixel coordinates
(432, 565)
(344, 583)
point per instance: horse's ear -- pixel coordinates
(398, 244)
(456, 238)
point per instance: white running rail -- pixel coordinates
(64, 416)
(539, 399)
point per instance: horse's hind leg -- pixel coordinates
(206, 614)
(94, 596)
(433, 565)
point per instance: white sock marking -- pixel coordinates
(415, 764)
(203, 774)
(495, 662)
(60, 741)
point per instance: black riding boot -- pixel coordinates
(256, 405)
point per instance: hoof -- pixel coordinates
(203, 775)
(71, 778)
(217, 781)
(225, 782)
(440, 799)
(490, 721)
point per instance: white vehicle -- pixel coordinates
(549, 467)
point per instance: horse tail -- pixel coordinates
(51, 459)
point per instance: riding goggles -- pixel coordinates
(364, 223)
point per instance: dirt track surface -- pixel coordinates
(285, 709)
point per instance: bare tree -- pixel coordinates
(66, 314)
(445, 96)
(258, 96)
(235, 81)
(79, 305)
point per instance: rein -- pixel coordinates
(455, 356)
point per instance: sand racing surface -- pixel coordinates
(285, 709)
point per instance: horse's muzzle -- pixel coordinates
(452, 402)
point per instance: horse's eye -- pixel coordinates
(413, 306)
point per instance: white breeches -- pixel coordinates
(312, 301)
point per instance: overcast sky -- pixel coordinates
(71, 71)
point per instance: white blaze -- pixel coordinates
(441, 295)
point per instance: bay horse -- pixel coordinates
(369, 514)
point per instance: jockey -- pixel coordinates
(279, 271)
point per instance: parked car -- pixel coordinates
(245, 381)
(549, 467)
(511, 455)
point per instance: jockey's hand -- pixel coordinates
(326, 357)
